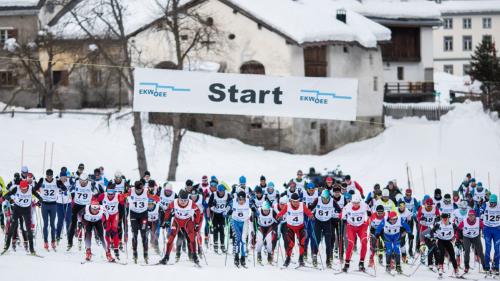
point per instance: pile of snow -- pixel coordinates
(205, 66)
(466, 140)
(444, 82)
(469, 7)
(307, 21)
(10, 45)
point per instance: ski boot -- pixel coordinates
(134, 256)
(236, 261)
(404, 258)
(88, 255)
(346, 266)
(287, 262)
(315, 261)
(301, 261)
(53, 244)
(120, 246)
(58, 241)
(164, 260)
(146, 259)
(223, 249)
(440, 271)
(329, 262)
(46, 246)
(496, 272)
(466, 269)
(26, 246)
(455, 272)
(388, 269)
(269, 258)
(304, 256)
(398, 269)
(259, 258)
(68, 248)
(109, 257)
(380, 259)
(242, 261)
(216, 248)
(79, 244)
(117, 254)
(362, 266)
(195, 259)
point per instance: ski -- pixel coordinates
(35, 255)
(364, 272)
(391, 273)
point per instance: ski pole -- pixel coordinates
(314, 238)
(227, 240)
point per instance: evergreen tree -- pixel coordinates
(485, 65)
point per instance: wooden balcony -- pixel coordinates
(409, 92)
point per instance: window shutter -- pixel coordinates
(64, 78)
(12, 33)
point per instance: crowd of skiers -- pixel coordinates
(207, 215)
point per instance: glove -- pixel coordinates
(166, 224)
(229, 213)
(458, 244)
(411, 236)
(38, 204)
(196, 228)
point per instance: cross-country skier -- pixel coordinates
(23, 198)
(338, 226)
(272, 195)
(92, 216)
(49, 188)
(63, 203)
(111, 201)
(479, 194)
(427, 215)
(219, 204)
(412, 205)
(376, 246)
(153, 226)
(138, 204)
(82, 196)
(469, 234)
(385, 201)
(391, 229)
(324, 213)
(258, 197)
(491, 218)
(295, 212)
(240, 213)
(406, 216)
(299, 181)
(444, 231)
(356, 214)
(447, 206)
(186, 217)
(266, 231)
(354, 186)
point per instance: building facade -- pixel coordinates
(254, 46)
(465, 25)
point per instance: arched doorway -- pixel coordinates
(252, 67)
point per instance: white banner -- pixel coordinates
(158, 90)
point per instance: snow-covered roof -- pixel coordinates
(311, 21)
(19, 3)
(469, 7)
(137, 13)
(395, 9)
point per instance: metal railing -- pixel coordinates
(430, 111)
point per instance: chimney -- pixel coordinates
(341, 15)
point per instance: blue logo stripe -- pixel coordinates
(318, 94)
(158, 86)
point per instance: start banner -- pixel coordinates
(159, 90)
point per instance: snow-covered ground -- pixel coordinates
(445, 82)
(466, 140)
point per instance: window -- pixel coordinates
(209, 124)
(375, 83)
(256, 125)
(315, 61)
(467, 23)
(6, 33)
(487, 23)
(401, 74)
(467, 43)
(252, 67)
(96, 77)
(314, 125)
(487, 38)
(448, 43)
(467, 69)
(448, 68)
(7, 79)
(404, 45)
(448, 23)
(60, 77)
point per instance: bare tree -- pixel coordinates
(103, 23)
(40, 71)
(192, 30)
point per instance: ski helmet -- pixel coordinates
(385, 193)
(445, 215)
(258, 189)
(379, 209)
(242, 195)
(221, 188)
(84, 177)
(189, 183)
(325, 194)
(493, 198)
(266, 206)
(94, 204)
(356, 198)
(310, 185)
(471, 213)
(243, 180)
(168, 186)
(183, 195)
(23, 185)
(283, 200)
(392, 215)
(294, 197)
(118, 175)
(49, 173)
(270, 184)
